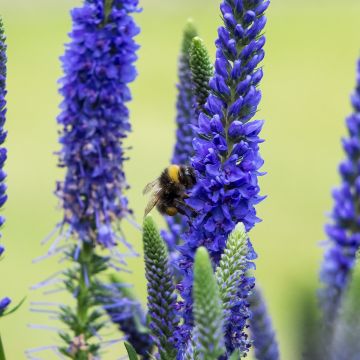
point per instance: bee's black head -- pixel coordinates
(187, 176)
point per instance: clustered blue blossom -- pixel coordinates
(227, 159)
(98, 66)
(344, 230)
(263, 334)
(3, 152)
(128, 314)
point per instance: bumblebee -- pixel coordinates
(168, 191)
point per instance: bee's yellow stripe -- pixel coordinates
(173, 171)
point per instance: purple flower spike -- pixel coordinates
(98, 65)
(227, 159)
(3, 133)
(3, 153)
(344, 230)
(263, 334)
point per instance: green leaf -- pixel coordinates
(2, 352)
(234, 356)
(11, 311)
(202, 71)
(131, 351)
(208, 312)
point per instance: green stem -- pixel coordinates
(83, 303)
(2, 352)
(107, 9)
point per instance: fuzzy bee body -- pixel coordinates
(169, 190)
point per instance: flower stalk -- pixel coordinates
(262, 332)
(226, 150)
(98, 66)
(344, 230)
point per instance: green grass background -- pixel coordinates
(309, 73)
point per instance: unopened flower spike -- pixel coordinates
(261, 329)
(208, 311)
(98, 66)
(235, 283)
(344, 230)
(161, 291)
(202, 71)
(226, 150)
(185, 120)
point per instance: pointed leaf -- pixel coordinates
(131, 351)
(14, 308)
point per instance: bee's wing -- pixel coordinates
(155, 197)
(153, 186)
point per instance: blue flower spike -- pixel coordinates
(227, 159)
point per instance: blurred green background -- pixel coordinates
(309, 73)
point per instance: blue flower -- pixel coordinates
(128, 315)
(4, 303)
(227, 159)
(98, 65)
(344, 230)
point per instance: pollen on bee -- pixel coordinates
(171, 211)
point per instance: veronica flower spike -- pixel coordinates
(262, 332)
(4, 303)
(344, 230)
(98, 66)
(227, 159)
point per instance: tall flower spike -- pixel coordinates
(262, 332)
(344, 230)
(185, 119)
(98, 65)
(227, 159)
(208, 312)
(161, 291)
(234, 282)
(201, 70)
(4, 303)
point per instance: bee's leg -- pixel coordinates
(185, 196)
(181, 205)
